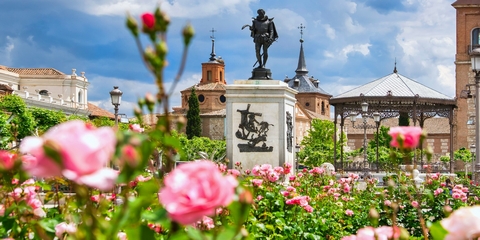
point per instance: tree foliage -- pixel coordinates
(318, 145)
(45, 118)
(194, 123)
(22, 123)
(198, 147)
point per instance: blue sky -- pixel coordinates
(347, 43)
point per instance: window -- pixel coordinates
(209, 75)
(223, 98)
(221, 76)
(79, 97)
(201, 98)
(475, 38)
(323, 108)
(43, 92)
(307, 104)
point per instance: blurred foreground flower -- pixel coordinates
(405, 137)
(76, 150)
(195, 190)
(463, 223)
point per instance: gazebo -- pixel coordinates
(387, 97)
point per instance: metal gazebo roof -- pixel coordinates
(391, 95)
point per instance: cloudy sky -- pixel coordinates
(347, 43)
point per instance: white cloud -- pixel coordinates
(329, 31)
(361, 48)
(179, 8)
(6, 51)
(351, 7)
(351, 26)
(446, 78)
(287, 20)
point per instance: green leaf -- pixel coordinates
(155, 216)
(437, 231)
(49, 224)
(193, 233)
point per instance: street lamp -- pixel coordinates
(297, 149)
(472, 151)
(365, 126)
(116, 96)
(475, 59)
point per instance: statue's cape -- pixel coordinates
(275, 35)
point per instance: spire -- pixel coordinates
(302, 66)
(395, 68)
(212, 55)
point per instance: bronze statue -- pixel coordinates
(264, 34)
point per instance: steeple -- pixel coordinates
(302, 66)
(395, 68)
(213, 70)
(212, 55)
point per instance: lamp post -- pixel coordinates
(472, 151)
(475, 59)
(297, 149)
(116, 96)
(365, 126)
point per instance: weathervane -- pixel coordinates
(213, 58)
(301, 30)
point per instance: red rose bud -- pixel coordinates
(162, 20)
(188, 33)
(148, 22)
(132, 25)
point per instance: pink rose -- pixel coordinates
(462, 223)
(194, 190)
(85, 151)
(2, 210)
(148, 20)
(205, 223)
(7, 160)
(409, 137)
(415, 204)
(63, 227)
(349, 212)
(136, 128)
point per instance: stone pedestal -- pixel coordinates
(261, 74)
(260, 123)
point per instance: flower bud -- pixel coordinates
(161, 49)
(188, 33)
(152, 58)
(162, 20)
(148, 21)
(132, 25)
(150, 101)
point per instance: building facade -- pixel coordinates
(467, 39)
(48, 88)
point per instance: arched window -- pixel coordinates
(80, 97)
(475, 38)
(323, 108)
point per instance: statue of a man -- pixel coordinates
(263, 34)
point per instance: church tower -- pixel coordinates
(211, 88)
(467, 39)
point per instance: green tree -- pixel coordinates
(46, 118)
(22, 121)
(318, 144)
(194, 123)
